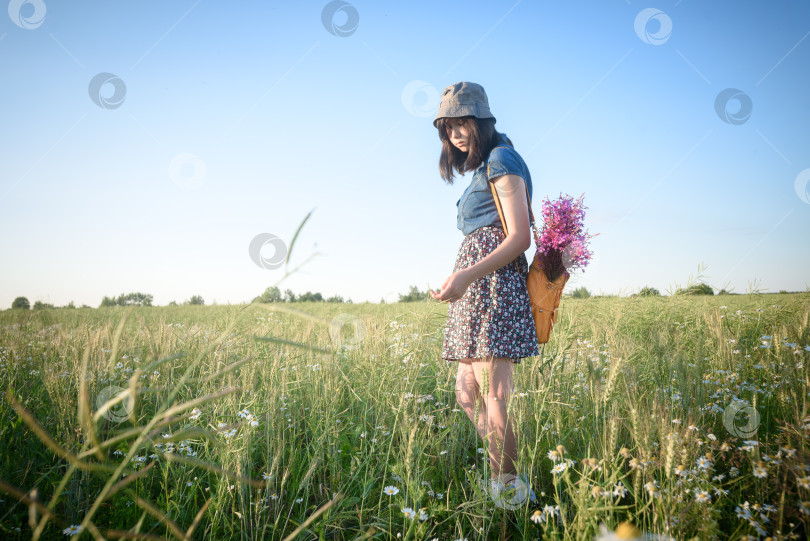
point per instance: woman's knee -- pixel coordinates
(499, 375)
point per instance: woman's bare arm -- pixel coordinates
(512, 194)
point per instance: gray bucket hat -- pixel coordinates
(464, 99)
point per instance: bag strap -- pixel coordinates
(498, 204)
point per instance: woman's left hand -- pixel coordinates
(454, 287)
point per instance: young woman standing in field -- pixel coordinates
(489, 323)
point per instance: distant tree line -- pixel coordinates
(696, 289)
(581, 293)
(23, 303)
(647, 291)
(194, 300)
(273, 294)
(145, 299)
(414, 295)
(130, 299)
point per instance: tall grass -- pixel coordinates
(266, 422)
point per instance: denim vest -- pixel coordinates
(476, 207)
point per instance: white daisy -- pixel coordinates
(72, 530)
(702, 496)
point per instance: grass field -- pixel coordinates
(686, 416)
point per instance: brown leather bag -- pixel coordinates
(544, 295)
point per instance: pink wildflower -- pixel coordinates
(562, 243)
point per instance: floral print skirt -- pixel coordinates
(494, 316)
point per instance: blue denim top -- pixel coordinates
(476, 207)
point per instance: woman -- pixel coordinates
(489, 321)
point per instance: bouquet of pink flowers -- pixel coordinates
(562, 244)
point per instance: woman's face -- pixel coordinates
(458, 135)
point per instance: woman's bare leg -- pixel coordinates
(468, 393)
(502, 442)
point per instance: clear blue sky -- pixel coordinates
(285, 117)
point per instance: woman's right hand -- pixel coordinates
(454, 287)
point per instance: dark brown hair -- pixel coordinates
(483, 138)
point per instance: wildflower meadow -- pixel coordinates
(676, 417)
